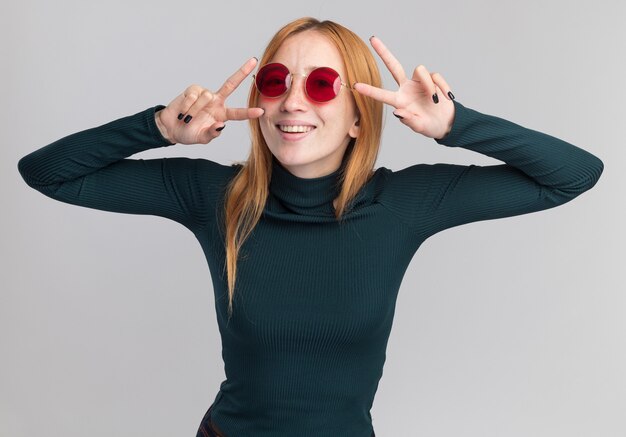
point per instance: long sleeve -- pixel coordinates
(88, 169)
(540, 172)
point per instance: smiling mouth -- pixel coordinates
(295, 129)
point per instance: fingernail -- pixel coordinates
(354, 85)
(371, 37)
(399, 116)
(435, 98)
(180, 116)
(451, 95)
(220, 128)
(257, 59)
(188, 118)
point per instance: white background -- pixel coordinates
(510, 327)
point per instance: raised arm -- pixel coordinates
(540, 171)
(89, 168)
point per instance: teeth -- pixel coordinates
(295, 128)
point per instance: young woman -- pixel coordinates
(306, 243)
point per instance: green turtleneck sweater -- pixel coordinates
(315, 299)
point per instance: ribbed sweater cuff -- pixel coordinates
(156, 133)
(459, 123)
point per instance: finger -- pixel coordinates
(243, 113)
(203, 103)
(442, 84)
(409, 119)
(188, 98)
(385, 96)
(235, 80)
(421, 74)
(212, 132)
(390, 60)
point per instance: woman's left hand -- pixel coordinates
(414, 100)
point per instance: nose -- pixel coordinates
(295, 98)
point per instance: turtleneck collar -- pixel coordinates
(305, 195)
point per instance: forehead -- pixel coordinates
(307, 50)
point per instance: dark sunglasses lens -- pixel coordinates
(271, 80)
(323, 84)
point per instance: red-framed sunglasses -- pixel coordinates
(322, 84)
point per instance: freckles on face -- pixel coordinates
(296, 128)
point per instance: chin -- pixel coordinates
(290, 157)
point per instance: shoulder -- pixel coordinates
(203, 169)
(198, 176)
(421, 172)
(416, 183)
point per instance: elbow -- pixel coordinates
(27, 168)
(22, 168)
(593, 172)
(588, 176)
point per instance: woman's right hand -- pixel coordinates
(207, 111)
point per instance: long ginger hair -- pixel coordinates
(247, 192)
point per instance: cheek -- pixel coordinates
(264, 125)
(266, 128)
(266, 102)
(271, 107)
(339, 120)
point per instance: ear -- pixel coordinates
(354, 129)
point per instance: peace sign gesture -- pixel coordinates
(197, 115)
(417, 100)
